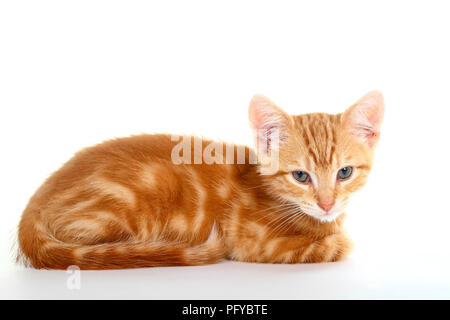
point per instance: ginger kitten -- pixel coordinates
(127, 203)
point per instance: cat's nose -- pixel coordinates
(326, 205)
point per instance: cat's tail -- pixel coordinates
(39, 249)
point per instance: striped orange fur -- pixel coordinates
(125, 204)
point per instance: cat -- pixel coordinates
(125, 204)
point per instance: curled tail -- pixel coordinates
(40, 249)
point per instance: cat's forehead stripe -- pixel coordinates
(318, 131)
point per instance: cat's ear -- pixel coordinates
(270, 124)
(363, 119)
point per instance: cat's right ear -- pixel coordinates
(270, 124)
(363, 119)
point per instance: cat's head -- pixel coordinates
(316, 160)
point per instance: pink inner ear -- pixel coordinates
(368, 127)
(264, 137)
(258, 121)
(375, 119)
(364, 119)
(373, 110)
(268, 136)
(266, 118)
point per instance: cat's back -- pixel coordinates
(138, 162)
(119, 155)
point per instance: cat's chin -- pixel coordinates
(317, 213)
(327, 218)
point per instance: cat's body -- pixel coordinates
(126, 204)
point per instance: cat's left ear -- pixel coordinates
(270, 124)
(363, 119)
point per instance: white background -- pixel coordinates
(74, 73)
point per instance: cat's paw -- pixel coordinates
(331, 248)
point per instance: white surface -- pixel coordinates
(75, 73)
(351, 279)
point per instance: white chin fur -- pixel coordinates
(317, 213)
(327, 217)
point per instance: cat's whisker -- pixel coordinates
(281, 217)
(275, 207)
(258, 186)
(290, 216)
(286, 224)
(293, 215)
(279, 210)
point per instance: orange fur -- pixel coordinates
(125, 204)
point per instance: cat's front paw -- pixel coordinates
(328, 249)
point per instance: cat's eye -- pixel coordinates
(345, 173)
(301, 176)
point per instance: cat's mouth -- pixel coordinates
(329, 216)
(323, 216)
(314, 211)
